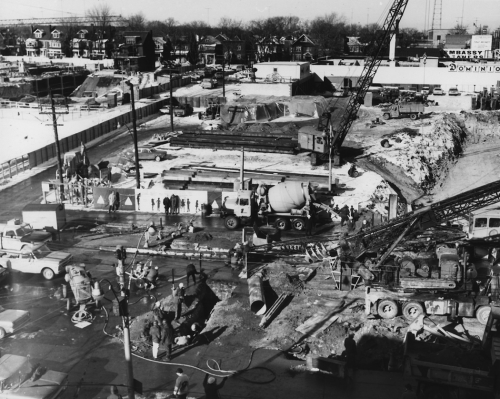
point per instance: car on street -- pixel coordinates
(438, 91)
(208, 83)
(426, 90)
(183, 110)
(150, 153)
(39, 260)
(126, 164)
(12, 320)
(22, 379)
(453, 91)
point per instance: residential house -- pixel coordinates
(159, 43)
(269, 49)
(34, 44)
(355, 46)
(41, 44)
(234, 49)
(136, 51)
(180, 50)
(303, 49)
(81, 44)
(210, 50)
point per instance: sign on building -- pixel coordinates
(474, 68)
(461, 53)
(481, 42)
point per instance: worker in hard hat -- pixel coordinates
(211, 387)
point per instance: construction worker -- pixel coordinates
(152, 277)
(111, 200)
(211, 387)
(350, 353)
(181, 384)
(155, 338)
(191, 271)
(167, 337)
(178, 296)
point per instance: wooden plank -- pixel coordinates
(320, 320)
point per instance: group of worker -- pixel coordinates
(348, 216)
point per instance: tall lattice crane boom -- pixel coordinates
(112, 20)
(388, 30)
(395, 231)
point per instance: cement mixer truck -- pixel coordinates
(285, 205)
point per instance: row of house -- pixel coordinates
(141, 49)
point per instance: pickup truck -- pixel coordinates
(17, 236)
(20, 379)
(38, 260)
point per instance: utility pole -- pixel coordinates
(223, 72)
(128, 357)
(56, 139)
(330, 178)
(134, 127)
(171, 102)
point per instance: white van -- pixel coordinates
(485, 224)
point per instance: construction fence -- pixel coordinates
(35, 158)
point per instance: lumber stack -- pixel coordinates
(279, 142)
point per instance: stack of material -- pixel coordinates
(279, 142)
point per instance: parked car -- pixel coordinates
(438, 91)
(104, 97)
(148, 153)
(40, 260)
(12, 320)
(126, 164)
(17, 382)
(208, 83)
(183, 110)
(453, 91)
(426, 90)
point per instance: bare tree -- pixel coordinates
(137, 22)
(170, 23)
(226, 23)
(100, 15)
(458, 29)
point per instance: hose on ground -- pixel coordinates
(213, 372)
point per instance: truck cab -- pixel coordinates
(238, 209)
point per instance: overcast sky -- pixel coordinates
(485, 12)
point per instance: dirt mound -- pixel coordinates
(422, 157)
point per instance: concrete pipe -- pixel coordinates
(257, 301)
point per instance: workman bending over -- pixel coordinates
(211, 387)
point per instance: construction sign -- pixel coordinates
(125, 198)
